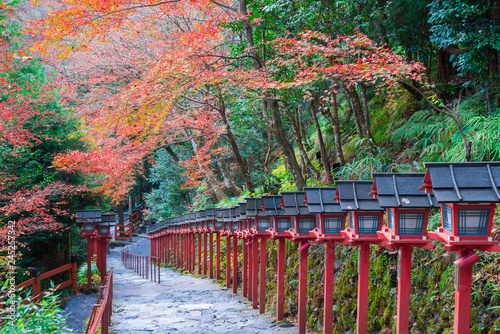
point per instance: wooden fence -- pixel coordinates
(131, 223)
(100, 317)
(35, 283)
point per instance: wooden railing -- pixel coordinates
(101, 311)
(145, 265)
(132, 224)
(35, 283)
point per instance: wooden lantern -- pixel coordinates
(468, 193)
(407, 215)
(88, 219)
(407, 207)
(330, 219)
(365, 214)
(280, 222)
(293, 203)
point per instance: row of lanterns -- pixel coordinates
(96, 227)
(351, 213)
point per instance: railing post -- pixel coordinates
(250, 269)
(363, 281)
(205, 255)
(255, 272)
(302, 316)
(228, 262)
(35, 292)
(404, 286)
(199, 253)
(74, 276)
(217, 256)
(244, 270)
(280, 286)
(263, 258)
(328, 289)
(211, 254)
(235, 264)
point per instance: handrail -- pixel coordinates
(35, 283)
(133, 222)
(144, 265)
(101, 311)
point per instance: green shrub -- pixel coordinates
(82, 273)
(42, 317)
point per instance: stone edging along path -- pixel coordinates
(180, 304)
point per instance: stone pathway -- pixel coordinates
(180, 304)
(77, 310)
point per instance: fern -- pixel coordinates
(82, 273)
(422, 129)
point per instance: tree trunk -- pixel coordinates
(272, 103)
(336, 129)
(121, 219)
(443, 70)
(367, 115)
(130, 204)
(353, 97)
(172, 154)
(287, 148)
(216, 193)
(314, 106)
(232, 142)
(226, 175)
(334, 120)
(300, 145)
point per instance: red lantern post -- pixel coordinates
(330, 221)
(88, 218)
(294, 206)
(365, 219)
(407, 210)
(218, 228)
(253, 209)
(280, 224)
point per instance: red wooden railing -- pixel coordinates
(132, 224)
(145, 265)
(35, 283)
(101, 311)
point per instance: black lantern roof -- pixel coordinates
(226, 214)
(322, 200)
(462, 182)
(234, 213)
(355, 196)
(401, 190)
(88, 216)
(219, 214)
(252, 208)
(293, 203)
(242, 211)
(272, 205)
(108, 218)
(209, 214)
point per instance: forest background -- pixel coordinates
(193, 104)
